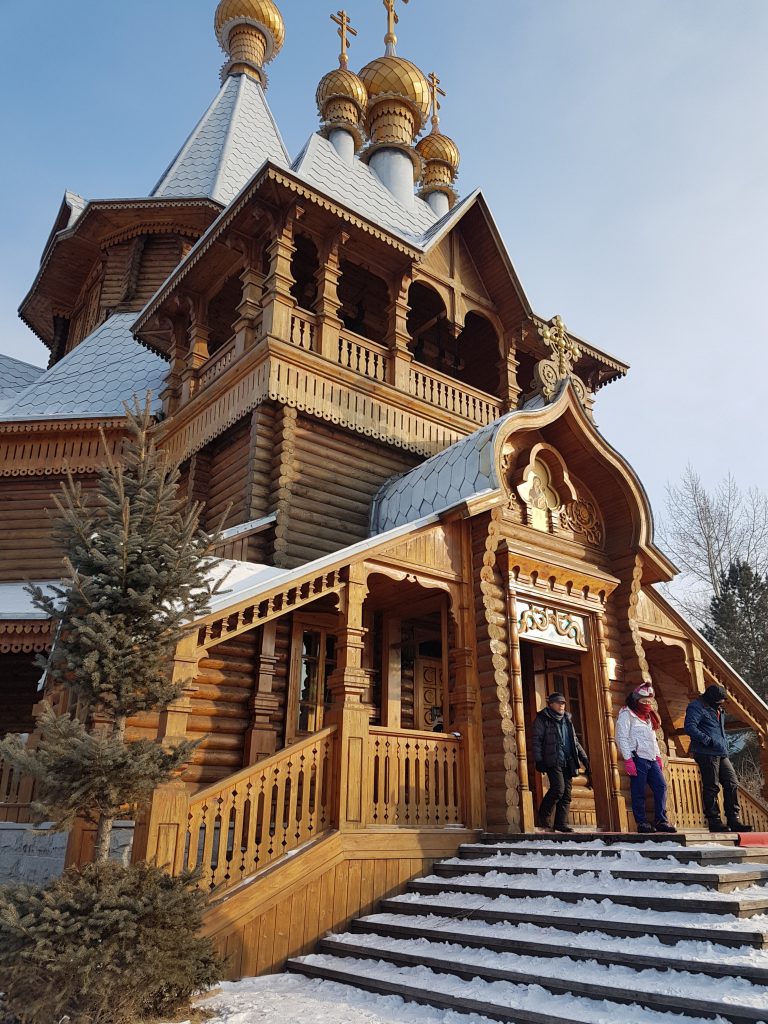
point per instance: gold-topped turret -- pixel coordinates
(251, 33)
(342, 100)
(398, 98)
(440, 153)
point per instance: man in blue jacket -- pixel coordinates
(705, 724)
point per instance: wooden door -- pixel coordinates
(428, 695)
(563, 674)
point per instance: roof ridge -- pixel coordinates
(22, 362)
(227, 144)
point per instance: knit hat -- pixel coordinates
(646, 690)
(714, 695)
(555, 698)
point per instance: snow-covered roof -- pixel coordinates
(16, 375)
(94, 379)
(235, 136)
(357, 187)
(462, 471)
(16, 602)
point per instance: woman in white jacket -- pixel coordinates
(636, 739)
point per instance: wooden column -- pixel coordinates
(391, 697)
(172, 725)
(278, 302)
(617, 806)
(348, 684)
(198, 335)
(510, 389)
(400, 358)
(528, 819)
(249, 310)
(260, 738)
(171, 393)
(327, 303)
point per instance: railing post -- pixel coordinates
(398, 338)
(160, 832)
(348, 684)
(260, 737)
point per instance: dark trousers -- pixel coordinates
(557, 798)
(648, 774)
(716, 772)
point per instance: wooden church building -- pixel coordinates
(425, 529)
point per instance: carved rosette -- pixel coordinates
(581, 517)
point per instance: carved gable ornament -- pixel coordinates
(552, 502)
(549, 374)
(551, 626)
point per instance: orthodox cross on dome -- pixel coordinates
(341, 18)
(392, 19)
(434, 92)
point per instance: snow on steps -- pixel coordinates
(546, 931)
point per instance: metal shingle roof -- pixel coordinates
(16, 375)
(357, 187)
(232, 140)
(94, 379)
(462, 471)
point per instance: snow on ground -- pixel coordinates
(292, 999)
(625, 859)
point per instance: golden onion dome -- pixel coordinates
(395, 75)
(263, 14)
(437, 146)
(341, 82)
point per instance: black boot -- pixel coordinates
(645, 829)
(738, 826)
(717, 826)
(564, 828)
(665, 826)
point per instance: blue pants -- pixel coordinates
(648, 774)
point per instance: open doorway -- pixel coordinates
(553, 669)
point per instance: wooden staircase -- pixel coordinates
(545, 928)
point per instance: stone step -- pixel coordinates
(564, 889)
(720, 881)
(581, 917)
(528, 1003)
(711, 854)
(671, 990)
(555, 943)
(690, 837)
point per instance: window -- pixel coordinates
(313, 658)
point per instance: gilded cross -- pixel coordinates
(392, 19)
(564, 351)
(434, 92)
(341, 18)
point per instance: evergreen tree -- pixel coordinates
(138, 570)
(738, 623)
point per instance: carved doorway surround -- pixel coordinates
(558, 647)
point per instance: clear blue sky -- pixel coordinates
(622, 147)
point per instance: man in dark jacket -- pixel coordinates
(705, 724)
(557, 753)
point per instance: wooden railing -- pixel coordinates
(240, 826)
(687, 807)
(363, 356)
(217, 364)
(16, 793)
(453, 395)
(416, 779)
(303, 327)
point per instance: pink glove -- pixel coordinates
(630, 767)
(660, 763)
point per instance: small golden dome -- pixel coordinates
(341, 83)
(398, 76)
(263, 14)
(437, 146)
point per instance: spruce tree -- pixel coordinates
(738, 624)
(137, 572)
